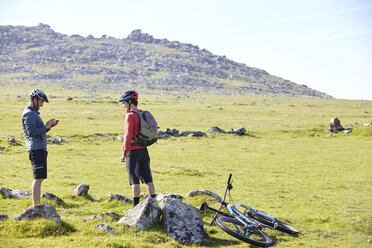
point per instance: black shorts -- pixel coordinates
(138, 166)
(38, 160)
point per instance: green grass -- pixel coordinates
(289, 166)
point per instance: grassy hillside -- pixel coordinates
(287, 166)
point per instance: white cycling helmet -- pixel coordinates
(38, 94)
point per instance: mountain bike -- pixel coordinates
(246, 226)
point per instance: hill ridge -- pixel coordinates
(38, 54)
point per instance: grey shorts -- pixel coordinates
(138, 166)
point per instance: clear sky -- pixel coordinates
(324, 44)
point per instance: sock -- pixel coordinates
(36, 203)
(153, 196)
(135, 201)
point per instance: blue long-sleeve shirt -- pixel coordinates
(34, 129)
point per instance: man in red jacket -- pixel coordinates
(136, 157)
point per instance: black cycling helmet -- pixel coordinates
(129, 95)
(36, 93)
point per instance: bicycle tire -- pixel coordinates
(255, 237)
(280, 226)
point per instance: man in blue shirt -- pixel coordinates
(35, 131)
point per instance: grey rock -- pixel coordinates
(230, 130)
(120, 198)
(106, 228)
(104, 136)
(240, 131)
(69, 99)
(110, 214)
(193, 193)
(53, 197)
(184, 222)
(42, 210)
(8, 193)
(163, 135)
(120, 137)
(335, 125)
(172, 132)
(12, 140)
(347, 131)
(54, 141)
(215, 130)
(81, 189)
(3, 217)
(162, 196)
(144, 215)
(193, 134)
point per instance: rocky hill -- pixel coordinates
(38, 54)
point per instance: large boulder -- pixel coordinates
(193, 193)
(42, 210)
(8, 193)
(81, 189)
(184, 222)
(161, 196)
(144, 215)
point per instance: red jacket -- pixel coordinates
(131, 129)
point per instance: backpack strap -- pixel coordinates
(139, 124)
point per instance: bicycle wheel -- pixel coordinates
(281, 226)
(236, 229)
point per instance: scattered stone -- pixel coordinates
(230, 130)
(42, 210)
(62, 140)
(163, 135)
(54, 141)
(172, 132)
(53, 197)
(104, 136)
(106, 228)
(120, 137)
(335, 125)
(189, 170)
(215, 130)
(120, 198)
(144, 215)
(12, 140)
(193, 193)
(240, 131)
(193, 134)
(8, 193)
(184, 222)
(347, 131)
(110, 214)
(69, 99)
(367, 124)
(3, 217)
(81, 189)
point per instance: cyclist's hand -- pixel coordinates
(122, 159)
(50, 123)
